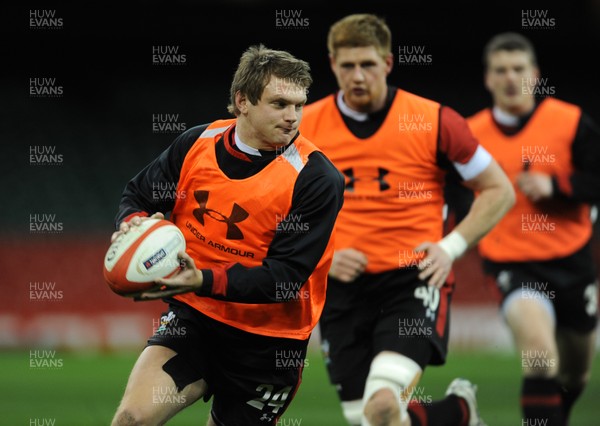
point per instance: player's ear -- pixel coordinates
(332, 62)
(389, 63)
(241, 102)
(486, 81)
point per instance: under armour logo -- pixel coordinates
(381, 172)
(237, 215)
(266, 417)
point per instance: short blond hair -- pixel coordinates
(360, 30)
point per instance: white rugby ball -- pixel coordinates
(141, 255)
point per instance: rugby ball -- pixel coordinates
(141, 255)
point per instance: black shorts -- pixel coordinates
(390, 311)
(569, 283)
(251, 378)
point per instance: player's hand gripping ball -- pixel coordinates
(142, 255)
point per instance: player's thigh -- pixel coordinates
(415, 323)
(151, 393)
(531, 320)
(260, 401)
(346, 334)
(346, 346)
(577, 319)
(255, 377)
(532, 323)
(247, 393)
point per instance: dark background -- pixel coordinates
(102, 57)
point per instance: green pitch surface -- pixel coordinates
(80, 389)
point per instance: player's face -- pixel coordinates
(511, 78)
(361, 73)
(275, 118)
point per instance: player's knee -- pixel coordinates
(382, 408)
(539, 362)
(128, 416)
(388, 388)
(574, 381)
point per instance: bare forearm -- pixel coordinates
(487, 210)
(495, 197)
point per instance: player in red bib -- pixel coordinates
(390, 283)
(256, 202)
